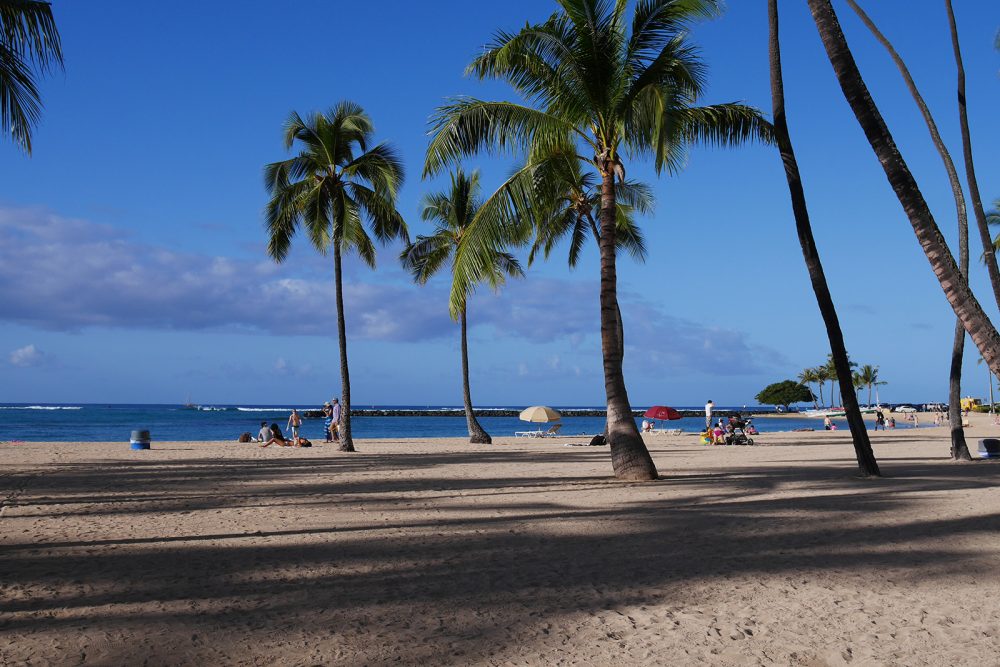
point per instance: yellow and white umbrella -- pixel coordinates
(539, 414)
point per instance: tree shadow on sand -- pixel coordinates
(498, 552)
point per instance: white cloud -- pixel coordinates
(26, 357)
(62, 274)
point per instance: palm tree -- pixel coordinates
(612, 93)
(337, 180)
(29, 46)
(989, 256)
(868, 375)
(452, 212)
(822, 377)
(838, 357)
(565, 200)
(953, 283)
(807, 377)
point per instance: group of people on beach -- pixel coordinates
(272, 434)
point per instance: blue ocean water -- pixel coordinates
(99, 423)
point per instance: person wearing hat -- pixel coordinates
(335, 419)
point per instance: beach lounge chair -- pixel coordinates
(528, 434)
(552, 432)
(668, 431)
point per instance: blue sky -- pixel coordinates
(133, 265)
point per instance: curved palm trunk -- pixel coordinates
(629, 457)
(949, 164)
(859, 433)
(959, 448)
(954, 285)
(989, 254)
(346, 441)
(477, 434)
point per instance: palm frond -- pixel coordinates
(20, 103)
(467, 126)
(424, 257)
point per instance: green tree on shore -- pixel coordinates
(784, 393)
(336, 182)
(29, 47)
(452, 212)
(614, 93)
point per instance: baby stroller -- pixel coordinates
(736, 433)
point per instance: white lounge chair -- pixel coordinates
(552, 432)
(528, 434)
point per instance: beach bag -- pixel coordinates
(246, 437)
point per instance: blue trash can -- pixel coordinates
(140, 440)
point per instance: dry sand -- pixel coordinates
(523, 553)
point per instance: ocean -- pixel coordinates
(109, 423)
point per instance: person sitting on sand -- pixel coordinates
(265, 432)
(277, 438)
(720, 435)
(646, 428)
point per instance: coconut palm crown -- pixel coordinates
(605, 90)
(29, 46)
(336, 183)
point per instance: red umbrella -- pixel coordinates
(662, 412)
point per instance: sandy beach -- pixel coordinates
(522, 553)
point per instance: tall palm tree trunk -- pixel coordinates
(958, 444)
(629, 457)
(954, 285)
(346, 441)
(477, 434)
(859, 433)
(949, 164)
(989, 255)
(959, 447)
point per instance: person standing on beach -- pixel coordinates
(327, 421)
(294, 422)
(708, 413)
(827, 423)
(335, 420)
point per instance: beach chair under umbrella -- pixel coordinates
(538, 414)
